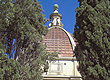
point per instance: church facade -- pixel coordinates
(63, 42)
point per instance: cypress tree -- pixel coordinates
(92, 31)
(9, 69)
(22, 21)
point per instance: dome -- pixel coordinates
(59, 40)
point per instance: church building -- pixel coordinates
(63, 42)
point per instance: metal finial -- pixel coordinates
(56, 7)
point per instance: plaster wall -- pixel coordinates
(63, 67)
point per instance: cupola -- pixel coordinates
(55, 17)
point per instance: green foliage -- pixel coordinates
(92, 31)
(9, 68)
(23, 21)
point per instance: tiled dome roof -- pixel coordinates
(59, 40)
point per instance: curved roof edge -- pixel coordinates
(68, 34)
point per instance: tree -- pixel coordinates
(9, 69)
(92, 31)
(22, 21)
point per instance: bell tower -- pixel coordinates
(55, 18)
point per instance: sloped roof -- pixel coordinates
(59, 40)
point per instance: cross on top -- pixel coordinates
(55, 1)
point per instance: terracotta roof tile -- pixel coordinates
(57, 40)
